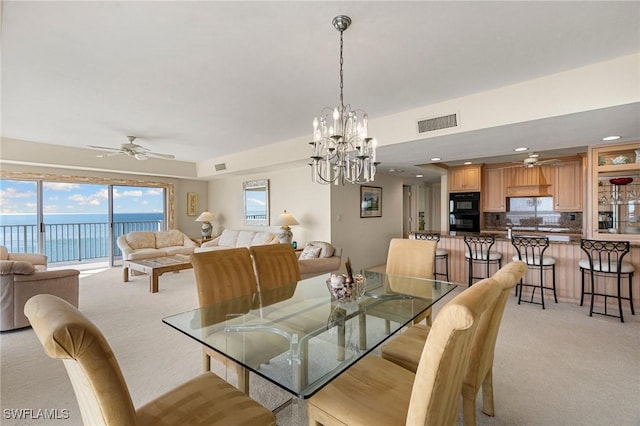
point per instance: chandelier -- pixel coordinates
(342, 150)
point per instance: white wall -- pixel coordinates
(289, 189)
(366, 240)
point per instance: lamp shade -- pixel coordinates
(286, 219)
(206, 216)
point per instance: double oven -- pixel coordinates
(464, 211)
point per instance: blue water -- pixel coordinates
(30, 219)
(72, 237)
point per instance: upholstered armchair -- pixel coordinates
(39, 261)
(19, 280)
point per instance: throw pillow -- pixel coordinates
(17, 267)
(310, 252)
(326, 249)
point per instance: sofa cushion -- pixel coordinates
(326, 249)
(141, 239)
(169, 238)
(245, 238)
(4, 253)
(262, 238)
(228, 238)
(17, 267)
(310, 252)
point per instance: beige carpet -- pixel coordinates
(552, 367)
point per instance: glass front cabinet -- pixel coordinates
(614, 190)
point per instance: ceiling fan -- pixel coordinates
(533, 160)
(132, 150)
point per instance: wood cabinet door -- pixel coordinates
(568, 187)
(493, 191)
(464, 179)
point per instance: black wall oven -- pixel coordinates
(464, 211)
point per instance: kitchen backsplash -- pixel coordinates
(570, 222)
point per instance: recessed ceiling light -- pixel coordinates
(436, 159)
(466, 163)
(419, 176)
(521, 148)
(611, 138)
(392, 170)
(534, 155)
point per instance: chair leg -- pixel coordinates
(593, 290)
(521, 288)
(469, 410)
(446, 266)
(633, 312)
(470, 271)
(542, 285)
(487, 394)
(619, 297)
(206, 361)
(243, 378)
(553, 283)
(582, 290)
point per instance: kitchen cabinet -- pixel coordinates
(568, 187)
(614, 188)
(493, 190)
(464, 178)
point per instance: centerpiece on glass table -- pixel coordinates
(346, 287)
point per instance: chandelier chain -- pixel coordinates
(341, 74)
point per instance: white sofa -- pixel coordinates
(147, 244)
(238, 238)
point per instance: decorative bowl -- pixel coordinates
(621, 181)
(344, 291)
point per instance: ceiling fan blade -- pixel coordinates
(109, 154)
(103, 148)
(156, 154)
(549, 161)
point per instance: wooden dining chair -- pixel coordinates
(100, 388)
(275, 265)
(406, 349)
(375, 391)
(223, 275)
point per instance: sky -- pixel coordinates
(20, 197)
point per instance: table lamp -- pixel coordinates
(206, 218)
(285, 221)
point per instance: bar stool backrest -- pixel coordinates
(479, 246)
(605, 256)
(530, 249)
(430, 236)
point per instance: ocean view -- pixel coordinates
(71, 237)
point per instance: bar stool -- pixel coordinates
(531, 251)
(604, 258)
(479, 252)
(441, 254)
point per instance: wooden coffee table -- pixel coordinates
(155, 267)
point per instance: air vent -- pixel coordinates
(437, 123)
(220, 167)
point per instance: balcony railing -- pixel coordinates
(69, 242)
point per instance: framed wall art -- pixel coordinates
(370, 201)
(192, 203)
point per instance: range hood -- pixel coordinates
(528, 182)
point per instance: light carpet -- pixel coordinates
(552, 367)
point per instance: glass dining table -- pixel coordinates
(300, 338)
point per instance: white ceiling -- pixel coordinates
(202, 80)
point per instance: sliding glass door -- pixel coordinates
(76, 221)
